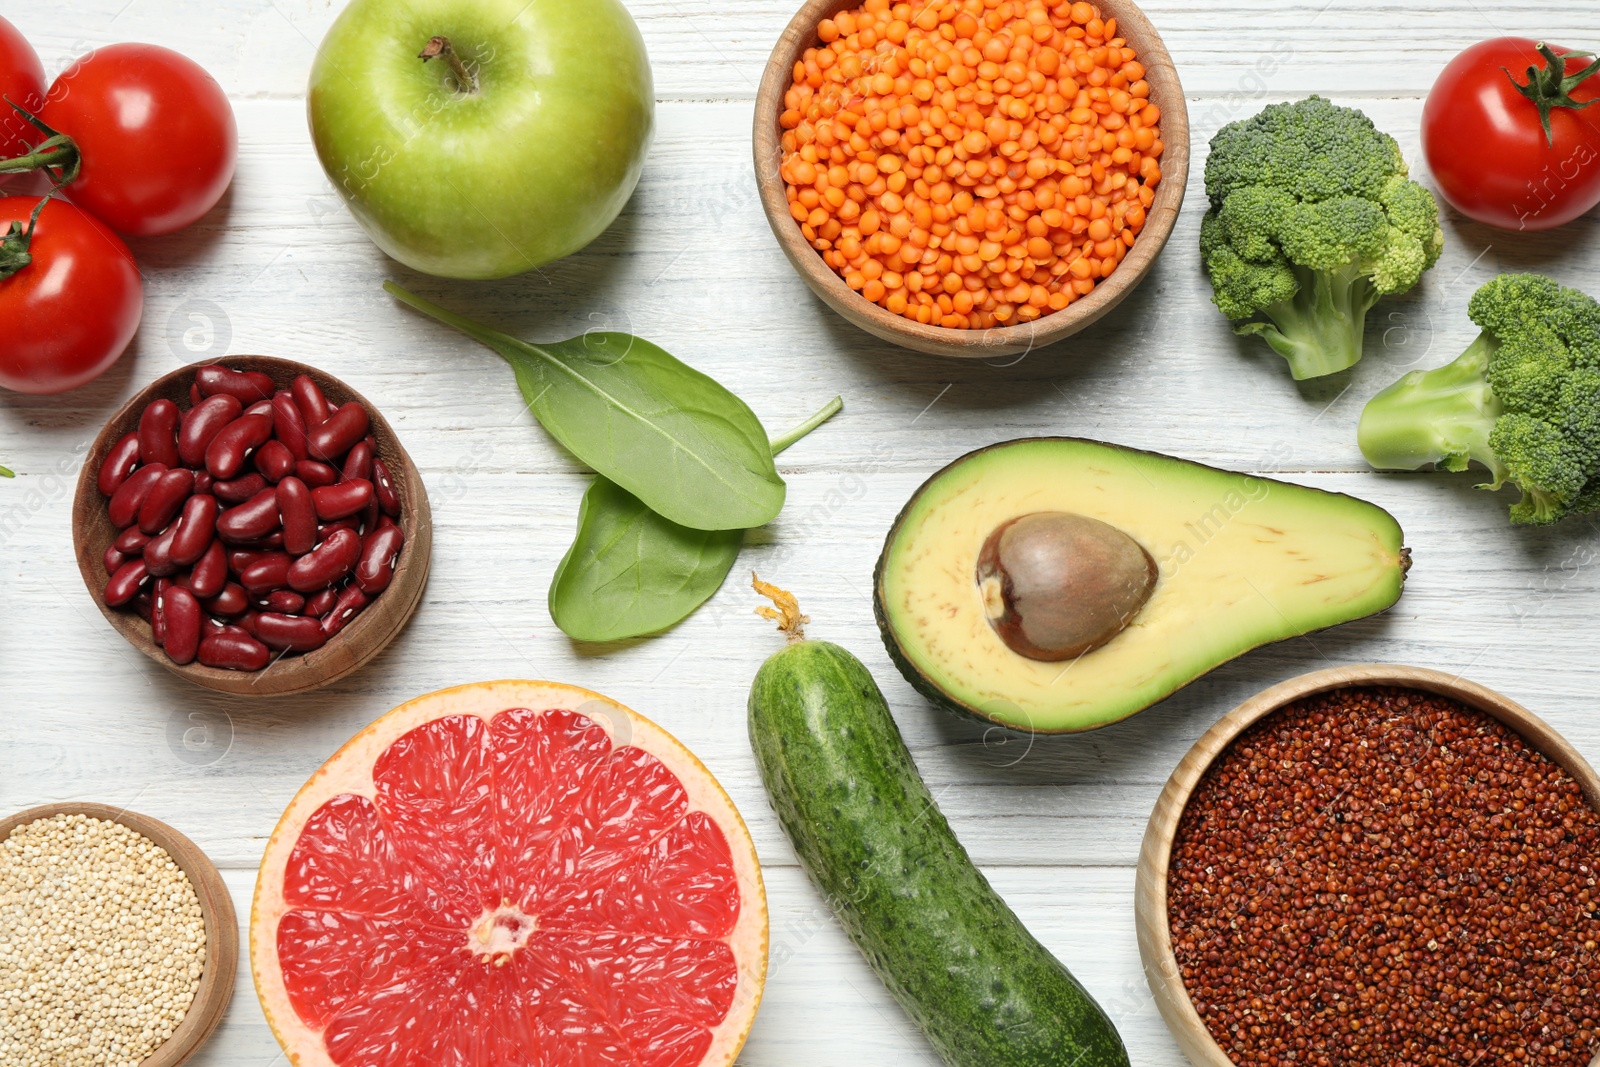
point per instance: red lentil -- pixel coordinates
(1384, 876)
(971, 163)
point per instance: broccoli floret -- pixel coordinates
(1523, 400)
(1312, 220)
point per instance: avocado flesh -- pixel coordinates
(1242, 561)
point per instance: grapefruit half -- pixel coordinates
(510, 874)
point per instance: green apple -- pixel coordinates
(515, 143)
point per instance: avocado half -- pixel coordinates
(1241, 561)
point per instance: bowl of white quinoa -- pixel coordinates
(118, 940)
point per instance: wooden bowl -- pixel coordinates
(1165, 91)
(221, 964)
(364, 638)
(1151, 918)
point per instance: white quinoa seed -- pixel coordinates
(101, 944)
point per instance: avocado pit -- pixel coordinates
(1056, 585)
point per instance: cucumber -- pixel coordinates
(958, 960)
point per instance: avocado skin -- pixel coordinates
(869, 834)
(940, 698)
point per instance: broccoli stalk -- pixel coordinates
(1312, 220)
(1319, 329)
(1442, 416)
(1523, 400)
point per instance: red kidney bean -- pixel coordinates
(358, 464)
(113, 559)
(346, 607)
(289, 424)
(240, 489)
(299, 516)
(324, 529)
(297, 633)
(131, 541)
(158, 554)
(342, 500)
(286, 602)
(129, 497)
(203, 482)
(273, 540)
(196, 530)
(370, 516)
(164, 499)
(124, 585)
(255, 518)
(183, 625)
(120, 462)
(226, 453)
(204, 421)
(195, 395)
(319, 604)
(314, 474)
(260, 407)
(233, 651)
(246, 386)
(266, 574)
(240, 558)
(274, 461)
(230, 602)
(375, 568)
(210, 573)
(158, 616)
(144, 604)
(335, 436)
(326, 563)
(383, 487)
(158, 433)
(308, 396)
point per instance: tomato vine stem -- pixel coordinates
(57, 154)
(1552, 87)
(15, 244)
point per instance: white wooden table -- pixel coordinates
(281, 268)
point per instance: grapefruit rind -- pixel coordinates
(349, 771)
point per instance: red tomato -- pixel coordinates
(70, 312)
(1487, 147)
(21, 82)
(154, 131)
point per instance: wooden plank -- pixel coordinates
(1483, 599)
(823, 1005)
(283, 269)
(265, 47)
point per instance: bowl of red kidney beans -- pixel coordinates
(253, 525)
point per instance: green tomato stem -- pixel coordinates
(829, 410)
(16, 243)
(57, 152)
(1552, 87)
(466, 82)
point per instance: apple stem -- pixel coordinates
(440, 46)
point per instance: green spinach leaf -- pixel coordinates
(673, 437)
(632, 572)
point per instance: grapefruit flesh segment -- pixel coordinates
(514, 890)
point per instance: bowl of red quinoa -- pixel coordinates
(1376, 865)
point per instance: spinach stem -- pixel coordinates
(829, 410)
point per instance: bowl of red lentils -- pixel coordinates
(972, 178)
(1376, 865)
